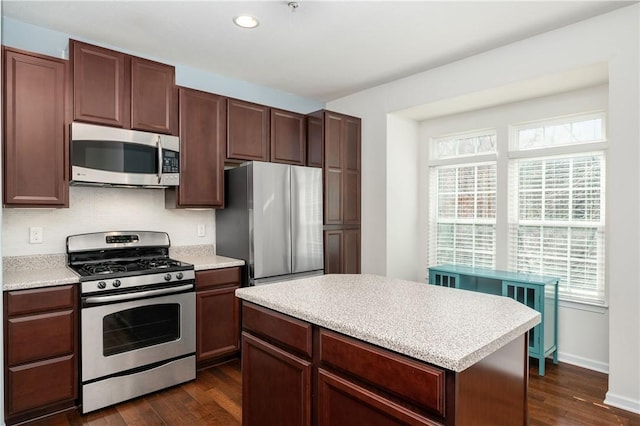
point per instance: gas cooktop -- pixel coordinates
(125, 260)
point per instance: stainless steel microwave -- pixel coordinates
(109, 156)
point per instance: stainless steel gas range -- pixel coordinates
(137, 315)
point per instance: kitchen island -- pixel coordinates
(365, 349)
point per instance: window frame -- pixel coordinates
(463, 160)
(561, 151)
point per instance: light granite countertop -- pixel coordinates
(204, 262)
(25, 272)
(446, 327)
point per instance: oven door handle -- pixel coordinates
(138, 295)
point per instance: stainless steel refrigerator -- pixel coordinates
(272, 220)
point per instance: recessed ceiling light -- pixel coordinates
(246, 21)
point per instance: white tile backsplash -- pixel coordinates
(103, 209)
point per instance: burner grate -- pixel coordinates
(158, 263)
(103, 268)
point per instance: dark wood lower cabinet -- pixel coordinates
(276, 385)
(325, 378)
(41, 352)
(217, 316)
(342, 251)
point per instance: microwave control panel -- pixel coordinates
(170, 161)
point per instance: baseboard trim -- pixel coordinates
(622, 402)
(587, 363)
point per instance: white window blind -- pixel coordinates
(463, 200)
(557, 206)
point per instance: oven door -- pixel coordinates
(127, 335)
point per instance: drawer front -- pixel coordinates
(217, 278)
(22, 302)
(40, 336)
(420, 384)
(273, 326)
(341, 401)
(39, 384)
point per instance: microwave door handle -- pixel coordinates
(159, 146)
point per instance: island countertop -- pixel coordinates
(450, 328)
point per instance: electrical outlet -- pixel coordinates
(202, 230)
(35, 235)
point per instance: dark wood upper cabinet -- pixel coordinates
(341, 148)
(247, 131)
(315, 135)
(203, 128)
(115, 89)
(351, 164)
(288, 137)
(100, 85)
(35, 131)
(152, 91)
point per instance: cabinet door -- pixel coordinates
(333, 170)
(333, 251)
(315, 144)
(288, 137)
(35, 136)
(100, 85)
(152, 92)
(218, 323)
(247, 131)
(351, 263)
(342, 251)
(276, 385)
(351, 153)
(202, 132)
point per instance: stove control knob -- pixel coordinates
(179, 275)
(102, 284)
(167, 277)
(116, 283)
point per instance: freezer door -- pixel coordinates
(306, 219)
(271, 218)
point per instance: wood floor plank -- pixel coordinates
(139, 413)
(219, 412)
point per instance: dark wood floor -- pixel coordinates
(566, 395)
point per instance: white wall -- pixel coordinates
(402, 204)
(103, 209)
(612, 38)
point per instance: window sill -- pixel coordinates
(583, 306)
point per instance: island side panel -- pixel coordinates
(494, 390)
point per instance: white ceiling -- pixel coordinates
(323, 50)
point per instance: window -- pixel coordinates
(552, 220)
(556, 224)
(463, 213)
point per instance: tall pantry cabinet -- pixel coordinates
(340, 138)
